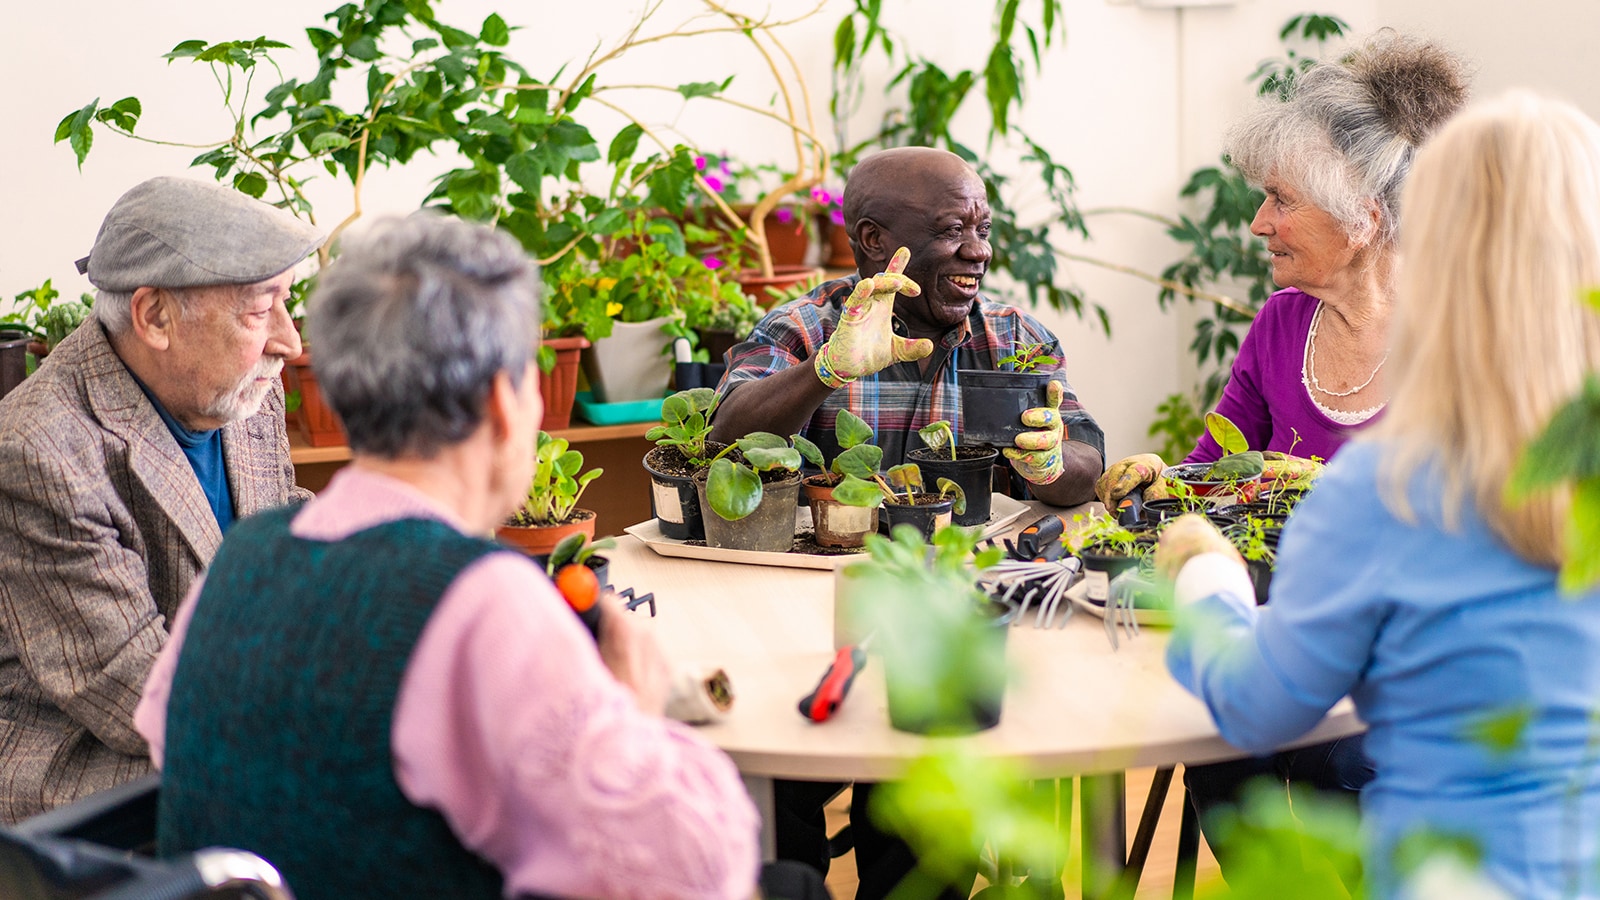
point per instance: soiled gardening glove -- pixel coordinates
(1037, 454)
(1186, 537)
(864, 341)
(1127, 475)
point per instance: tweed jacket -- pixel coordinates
(102, 527)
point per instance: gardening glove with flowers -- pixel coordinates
(1186, 537)
(1127, 475)
(864, 341)
(1037, 454)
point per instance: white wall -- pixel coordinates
(1136, 99)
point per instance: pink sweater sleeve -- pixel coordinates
(510, 725)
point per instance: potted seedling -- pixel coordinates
(550, 512)
(1107, 549)
(577, 549)
(993, 401)
(904, 497)
(1256, 539)
(749, 494)
(838, 524)
(681, 450)
(941, 638)
(1237, 473)
(969, 465)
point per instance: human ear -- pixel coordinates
(872, 239)
(153, 313)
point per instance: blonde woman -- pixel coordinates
(1406, 580)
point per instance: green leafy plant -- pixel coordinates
(938, 435)
(1239, 463)
(857, 458)
(686, 423)
(529, 163)
(1178, 426)
(733, 489)
(1026, 357)
(42, 313)
(1567, 453)
(575, 548)
(928, 614)
(557, 485)
(900, 484)
(1102, 534)
(1249, 537)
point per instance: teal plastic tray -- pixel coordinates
(617, 413)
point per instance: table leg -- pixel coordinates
(760, 789)
(1105, 833)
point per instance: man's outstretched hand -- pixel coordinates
(864, 341)
(1037, 454)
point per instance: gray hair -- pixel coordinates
(411, 324)
(1347, 135)
(114, 309)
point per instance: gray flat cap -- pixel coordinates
(181, 232)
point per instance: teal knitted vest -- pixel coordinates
(279, 720)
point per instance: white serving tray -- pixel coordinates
(1003, 511)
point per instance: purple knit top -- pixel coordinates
(1265, 397)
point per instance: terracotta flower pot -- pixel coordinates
(540, 540)
(837, 524)
(839, 254)
(782, 278)
(559, 386)
(318, 424)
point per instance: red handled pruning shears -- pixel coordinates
(821, 703)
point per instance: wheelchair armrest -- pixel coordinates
(123, 817)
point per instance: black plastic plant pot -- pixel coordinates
(1099, 567)
(992, 403)
(13, 359)
(1260, 578)
(927, 515)
(1282, 502)
(599, 565)
(972, 469)
(673, 499)
(1158, 511)
(770, 528)
(1271, 514)
(983, 704)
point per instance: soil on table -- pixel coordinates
(805, 542)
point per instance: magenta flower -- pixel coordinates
(700, 163)
(784, 214)
(714, 183)
(726, 169)
(822, 196)
(712, 262)
(837, 216)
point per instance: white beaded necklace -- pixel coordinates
(1308, 376)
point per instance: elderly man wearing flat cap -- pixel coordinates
(122, 462)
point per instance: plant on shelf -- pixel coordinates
(529, 162)
(45, 317)
(558, 484)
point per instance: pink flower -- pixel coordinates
(784, 214)
(837, 216)
(822, 196)
(712, 262)
(726, 169)
(714, 183)
(700, 163)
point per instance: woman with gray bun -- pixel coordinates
(1332, 160)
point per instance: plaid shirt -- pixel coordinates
(900, 399)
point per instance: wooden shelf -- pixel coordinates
(301, 453)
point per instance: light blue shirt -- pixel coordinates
(1438, 637)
